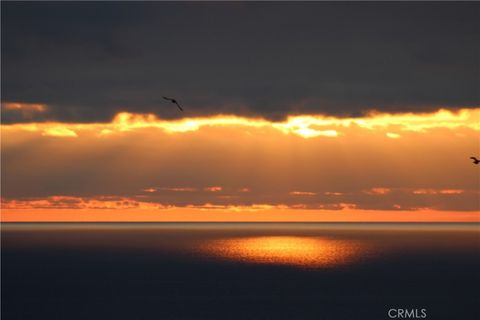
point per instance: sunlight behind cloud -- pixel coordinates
(59, 131)
(305, 126)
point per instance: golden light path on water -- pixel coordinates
(305, 252)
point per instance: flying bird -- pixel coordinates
(475, 160)
(173, 101)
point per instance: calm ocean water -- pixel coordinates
(239, 270)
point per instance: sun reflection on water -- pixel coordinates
(307, 252)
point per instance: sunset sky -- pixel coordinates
(293, 111)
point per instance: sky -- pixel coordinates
(293, 111)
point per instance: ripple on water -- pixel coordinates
(305, 252)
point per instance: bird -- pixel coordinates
(475, 160)
(173, 101)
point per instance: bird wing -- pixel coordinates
(178, 106)
(173, 101)
(473, 158)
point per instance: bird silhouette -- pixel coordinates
(475, 160)
(173, 101)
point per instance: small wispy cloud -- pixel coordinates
(333, 193)
(438, 191)
(24, 107)
(213, 189)
(179, 189)
(392, 135)
(301, 193)
(378, 191)
(59, 132)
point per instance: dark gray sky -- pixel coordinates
(87, 61)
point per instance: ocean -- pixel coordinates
(240, 271)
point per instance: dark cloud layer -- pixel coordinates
(87, 61)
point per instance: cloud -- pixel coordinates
(24, 107)
(301, 193)
(305, 126)
(59, 132)
(328, 193)
(213, 189)
(72, 202)
(266, 60)
(438, 191)
(15, 111)
(396, 199)
(378, 191)
(179, 189)
(393, 135)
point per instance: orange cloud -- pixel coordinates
(333, 193)
(378, 191)
(26, 111)
(438, 191)
(59, 131)
(24, 107)
(69, 202)
(213, 189)
(181, 189)
(393, 135)
(302, 193)
(451, 191)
